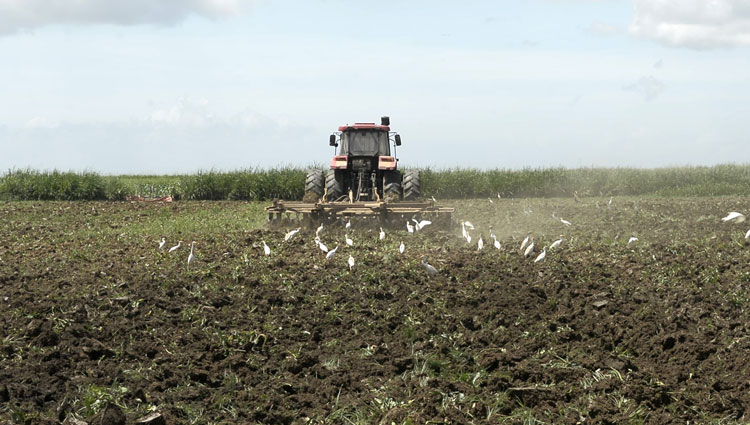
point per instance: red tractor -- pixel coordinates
(363, 181)
(365, 168)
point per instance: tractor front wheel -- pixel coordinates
(334, 185)
(315, 184)
(412, 185)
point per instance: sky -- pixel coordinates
(178, 86)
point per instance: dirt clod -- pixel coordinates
(110, 415)
(154, 418)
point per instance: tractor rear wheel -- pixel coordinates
(412, 185)
(315, 183)
(334, 185)
(392, 186)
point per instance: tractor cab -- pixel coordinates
(364, 142)
(365, 139)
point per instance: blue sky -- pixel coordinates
(142, 86)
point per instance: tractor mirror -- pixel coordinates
(398, 140)
(332, 140)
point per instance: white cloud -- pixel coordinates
(696, 24)
(28, 14)
(196, 113)
(179, 137)
(40, 122)
(602, 28)
(187, 111)
(648, 86)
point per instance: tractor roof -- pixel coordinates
(364, 126)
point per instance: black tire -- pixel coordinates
(315, 183)
(334, 185)
(391, 186)
(412, 185)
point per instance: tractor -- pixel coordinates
(363, 180)
(365, 168)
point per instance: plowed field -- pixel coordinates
(100, 325)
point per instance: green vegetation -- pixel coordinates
(719, 180)
(283, 183)
(457, 183)
(59, 186)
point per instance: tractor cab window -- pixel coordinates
(364, 143)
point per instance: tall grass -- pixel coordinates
(560, 182)
(457, 183)
(58, 186)
(259, 184)
(149, 186)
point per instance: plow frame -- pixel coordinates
(385, 213)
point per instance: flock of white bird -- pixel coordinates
(191, 256)
(527, 246)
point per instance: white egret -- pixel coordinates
(480, 243)
(525, 241)
(555, 244)
(469, 225)
(632, 239)
(409, 227)
(497, 244)
(402, 247)
(609, 204)
(529, 249)
(320, 229)
(382, 234)
(541, 256)
(162, 243)
(463, 230)
(321, 245)
(176, 247)
(290, 234)
(564, 221)
(349, 224)
(191, 256)
(738, 217)
(331, 253)
(351, 261)
(348, 240)
(492, 233)
(428, 267)
(498, 195)
(433, 199)
(468, 237)
(266, 249)
(419, 225)
(491, 201)
(747, 235)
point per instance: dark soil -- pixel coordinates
(98, 325)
